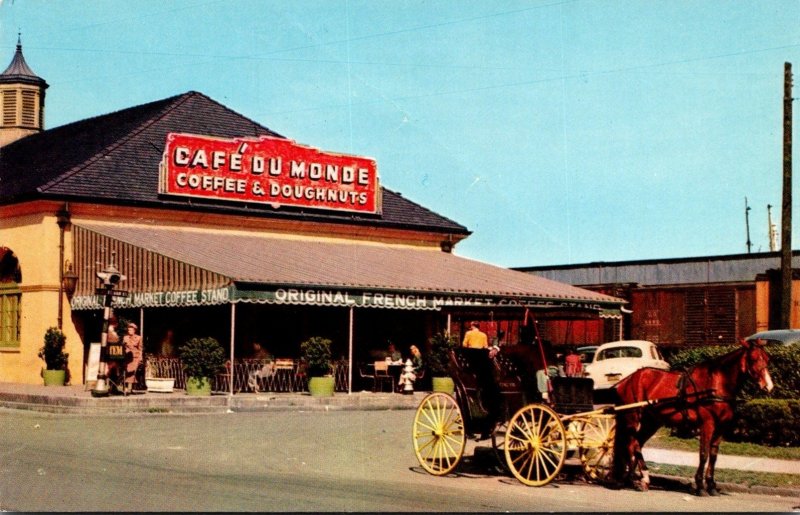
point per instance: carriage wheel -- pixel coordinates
(536, 445)
(597, 447)
(499, 443)
(438, 434)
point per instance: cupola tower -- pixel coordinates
(21, 100)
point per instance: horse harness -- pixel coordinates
(707, 396)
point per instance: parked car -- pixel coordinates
(777, 336)
(614, 361)
(586, 353)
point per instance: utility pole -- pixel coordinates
(747, 224)
(786, 215)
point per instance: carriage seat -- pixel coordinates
(572, 394)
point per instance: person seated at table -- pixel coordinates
(266, 367)
(417, 364)
(393, 354)
(416, 359)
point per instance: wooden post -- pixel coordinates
(786, 217)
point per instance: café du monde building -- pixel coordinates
(224, 228)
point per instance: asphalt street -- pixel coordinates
(280, 461)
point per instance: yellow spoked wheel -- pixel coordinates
(439, 438)
(597, 447)
(535, 445)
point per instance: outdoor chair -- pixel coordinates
(283, 375)
(382, 376)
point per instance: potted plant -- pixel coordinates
(439, 362)
(316, 352)
(54, 357)
(201, 359)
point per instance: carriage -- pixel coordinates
(532, 437)
(498, 399)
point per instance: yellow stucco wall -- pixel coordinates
(34, 239)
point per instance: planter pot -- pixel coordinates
(54, 377)
(198, 386)
(321, 386)
(443, 384)
(160, 384)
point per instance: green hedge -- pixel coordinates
(773, 422)
(784, 367)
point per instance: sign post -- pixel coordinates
(110, 277)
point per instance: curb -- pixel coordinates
(141, 404)
(678, 483)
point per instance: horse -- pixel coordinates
(701, 398)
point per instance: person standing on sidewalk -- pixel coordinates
(132, 344)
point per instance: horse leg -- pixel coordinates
(711, 485)
(706, 430)
(625, 447)
(648, 429)
(638, 474)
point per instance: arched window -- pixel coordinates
(10, 299)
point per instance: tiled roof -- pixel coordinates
(115, 158)
(19, 71)
(323, 263)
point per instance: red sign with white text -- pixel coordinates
(268, 170)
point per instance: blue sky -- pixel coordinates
(557, 131)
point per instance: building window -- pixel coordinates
(29, 108)
(9, 108)
(10, 302)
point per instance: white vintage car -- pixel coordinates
(616, 360)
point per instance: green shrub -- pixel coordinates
(202, 357)
(773, 422)
(784, 367)
(53, 350)
(317, 355)
(687, 358)
(439, 359)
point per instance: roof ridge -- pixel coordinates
(171, 106)
(423, 207)
(198, 93)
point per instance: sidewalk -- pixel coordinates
(724, 461)
(78, 400)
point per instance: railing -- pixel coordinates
(341, 373)
(156, 366)
(249, 375)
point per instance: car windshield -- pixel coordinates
(777, 339)
(619, 352)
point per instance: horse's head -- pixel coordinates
(754, 363)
